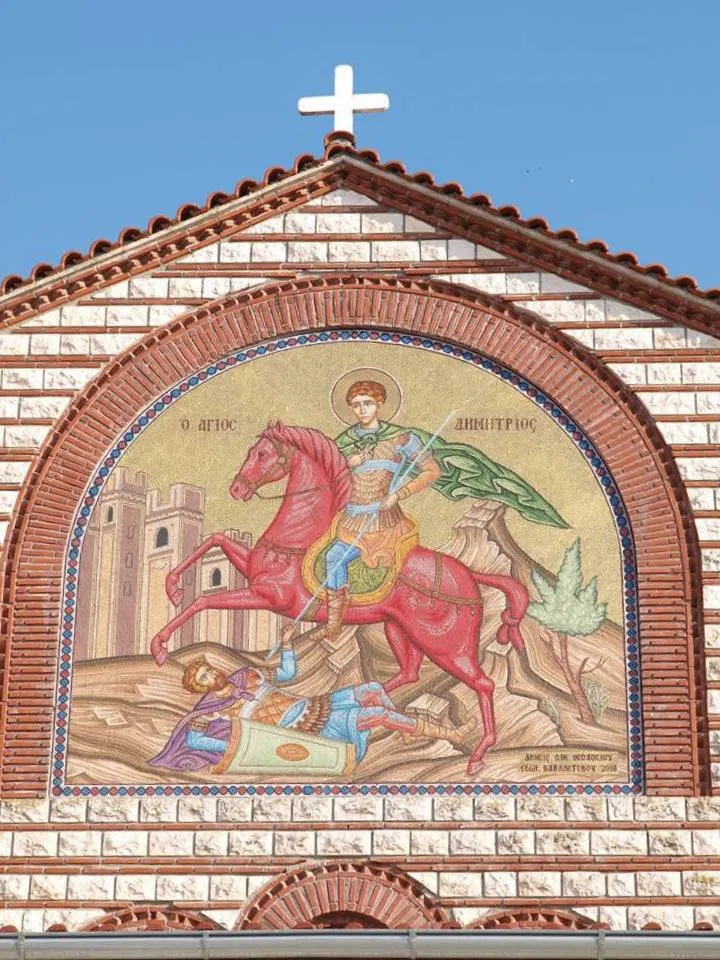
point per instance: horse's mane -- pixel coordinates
(320, 448)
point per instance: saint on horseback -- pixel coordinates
(341, 549)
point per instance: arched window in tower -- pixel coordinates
(216, 578)
(110, 515)
(161, 537)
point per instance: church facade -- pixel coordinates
(361, 568)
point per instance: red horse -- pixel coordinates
(433, 609)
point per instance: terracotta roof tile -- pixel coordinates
(337, 145)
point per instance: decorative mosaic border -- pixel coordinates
(94, 490)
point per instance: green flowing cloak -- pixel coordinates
(465, 472)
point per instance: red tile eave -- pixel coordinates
(136, 250)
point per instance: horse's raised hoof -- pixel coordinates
(173, 589)
(158, 648)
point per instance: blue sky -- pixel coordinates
(600, 116)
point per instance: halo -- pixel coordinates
(393, 400)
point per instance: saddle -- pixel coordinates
(367, 585)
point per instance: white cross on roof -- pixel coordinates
(344, 103)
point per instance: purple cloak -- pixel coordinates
(176, 754)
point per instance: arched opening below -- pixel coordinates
(343, 920)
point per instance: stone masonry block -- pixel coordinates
(428, 879)
(660, 808)
(206, 254)
(338, 223)
(211, 843)
(130, 886)
(272, 809)
(500, 883)
(700, 372)
(408, 808)
(541, 883)
(453, 808)
(358, 808)
(235, 252)
(706, 842)
(614, 917)
(307, 252)
(347, 251)
(197, 809)
(583, 883)
(13, 472)
(382, 223)
(429, 843)
(232, 887)
(550, 283)
(669, 338)
(336, 843)
(312, 808)
(158, 809)
(214, 287)
(48, 886)
(171, 843)
(621, 884)
(234, 809)
(658, 883)
(621, 808)
(563, 842)
(300, 222)
(43, 407)
(60, 378)
(586, 808)
(250, 843)
(345, 197)
(79, 843)
(294, 843)
(494, 808)
(21, 379)
(523, 283)
(472, 842)
(674, 842)
(45, 344)
(624, 338)
(268, 253)
(459, 249)
(149, 287)
(515, 842)
(540, 808)
(433, 249)
(125, 843)
(89, 886)
(670, 402)
(113, 809)
(461, 884)
(35, 843)
(24, 811)
(389, 250)
(127, 316)
(391, 842)
(701, 883)
(669, 918)
(14, 886)
(178, 887)
(605, 843)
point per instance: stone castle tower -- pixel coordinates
(133, 541)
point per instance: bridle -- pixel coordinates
(283, 460)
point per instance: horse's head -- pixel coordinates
(268, 460)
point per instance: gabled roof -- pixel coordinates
(530, 241)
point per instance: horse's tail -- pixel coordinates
(517, 604)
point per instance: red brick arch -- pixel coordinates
(619, 426)
(540, 919)
(342, 894)
(150, 919)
